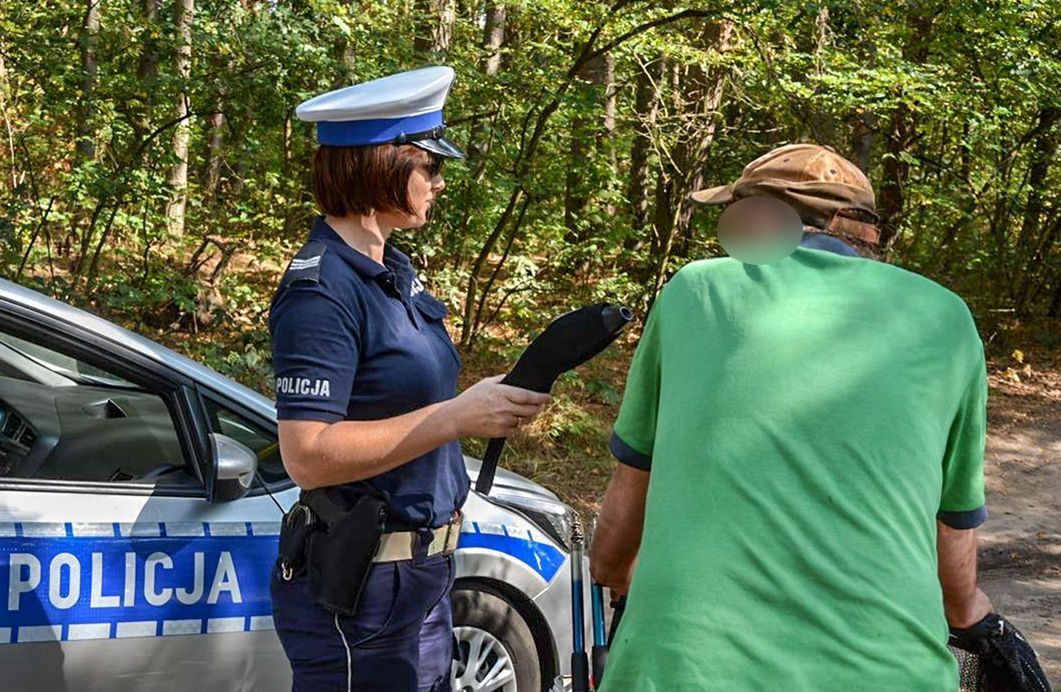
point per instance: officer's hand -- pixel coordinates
(491, 409)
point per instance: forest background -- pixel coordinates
(152, 171)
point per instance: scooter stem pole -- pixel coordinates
(579, 659)
(599, 653)
(597, 603)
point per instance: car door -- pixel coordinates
(117, 571)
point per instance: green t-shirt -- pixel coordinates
(804, 424)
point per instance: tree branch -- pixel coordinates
(662, 21)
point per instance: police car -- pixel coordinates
(140, 502)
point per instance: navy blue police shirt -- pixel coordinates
(356, 340)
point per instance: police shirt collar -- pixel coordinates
(393, 259)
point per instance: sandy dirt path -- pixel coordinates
(1020, 545)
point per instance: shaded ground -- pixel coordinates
(1020, 546)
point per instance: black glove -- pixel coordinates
(1008, 662)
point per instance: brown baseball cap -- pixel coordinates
(828, 191)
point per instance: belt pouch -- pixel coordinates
(294, 532)
(340, 551)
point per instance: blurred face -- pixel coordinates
(759, 230)
(425, 185)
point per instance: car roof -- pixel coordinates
(211, 379)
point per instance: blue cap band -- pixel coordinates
(356, 133)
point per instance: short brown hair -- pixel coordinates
(357, 180)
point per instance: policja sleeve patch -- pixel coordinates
(305, 267)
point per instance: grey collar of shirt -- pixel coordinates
(395, 262)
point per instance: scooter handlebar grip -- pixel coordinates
(579, 673)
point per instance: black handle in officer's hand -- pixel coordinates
(568, 342)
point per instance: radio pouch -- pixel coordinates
(294, 532)
(340, 549)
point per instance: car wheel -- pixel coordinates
(496, 651)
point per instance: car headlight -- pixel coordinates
(554, 518)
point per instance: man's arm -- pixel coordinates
(963, 603)
(622, 516)
(1007, 660)
(618, 533)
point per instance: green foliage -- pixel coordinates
(954, 105)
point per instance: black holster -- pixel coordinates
(336, 546)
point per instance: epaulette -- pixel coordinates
(306, 265)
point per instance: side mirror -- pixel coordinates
(233, 466)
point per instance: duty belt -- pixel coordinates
(402, 545)
(394, 545)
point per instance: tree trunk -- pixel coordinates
(214, 157)
(707, 89)
(818, 123)
(865, 122)
(646, 105)
(493, 40)
(862, 140)
(294, 186)
(86, 136)
(1031, 241)
(1055, 304)
(1044, 151)
(471, 294)
(902, 132)
(494, 35)
(346, 47)
(890, 193)
(178, 177)
(685, 170)
(606, 135)
(147, 70)
(585, 134)
(666, 176)
(9, 139)
(434, 21)
(515, 30)
(480, 137)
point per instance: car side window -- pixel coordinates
(260, 441)
(64, 419)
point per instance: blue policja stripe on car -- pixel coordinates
(543, 558)
(103, 580)
(80, 581)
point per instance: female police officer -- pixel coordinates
(366, 382)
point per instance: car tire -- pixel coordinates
(490, 629)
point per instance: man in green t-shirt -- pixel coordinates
(801, 448)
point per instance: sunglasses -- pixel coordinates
(434, 166)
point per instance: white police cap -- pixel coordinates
(404, 108)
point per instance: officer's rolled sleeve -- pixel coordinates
(315, 355)
(962, 500)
